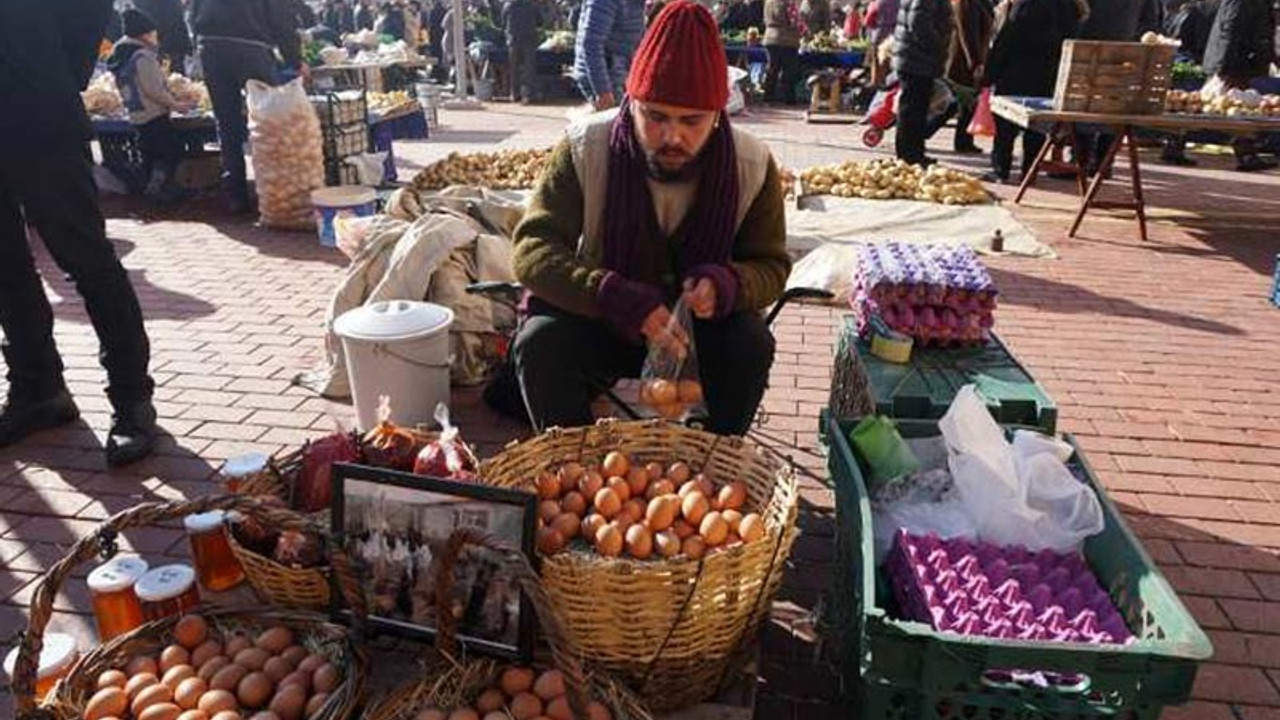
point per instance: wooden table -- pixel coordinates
(1061, 127)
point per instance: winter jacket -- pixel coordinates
(175, 40)
(882, 18)
(1027, 48)
(266, 23)
(1121, 20)
(47, 53)
(390, 22)
(520, 19)
(1242, 41)
(608, 33)
(364, 18)
(341, 20)
(816, 15)
(781, 23)
(974, 21)
(1191, 25)
(922, 37)
(142, 83)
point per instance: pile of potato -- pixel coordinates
(1234, 103)
(380, 101)
(184, 89)
(894, 179)
(502, 170)
(205, 676)
(102, 98)
(520, 694)
(644, 511)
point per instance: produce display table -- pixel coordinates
(1061, 127)
(374, 77)
(122, 150)
(745, 55)
(403, 122)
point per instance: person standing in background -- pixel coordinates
(974, 20)
(175, 41)
(520, 19)
(1242, 47)
(782, 42)
(816, 15)
(435, 39)
(921, 40)
(365, 15)
(608, 33)
(413, 24)
(853, 23)
(1117, 21)
(390, 20)
(339, 18)
(47, 55)
(880, 21)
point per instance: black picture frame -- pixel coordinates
(525, 503)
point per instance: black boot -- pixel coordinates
(133, 434)
(23, 416)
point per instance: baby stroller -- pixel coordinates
(882, 114)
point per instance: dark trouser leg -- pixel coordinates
(734, 357)
(35, 368)
(522, 71)
(790, 73)
(963, 140)
(161, 146)
(563, 360)
(913, 116)
(1032, 141)
(1002, 147)
(227, 67)
(60, 199)
(771, 73)
(934, 124)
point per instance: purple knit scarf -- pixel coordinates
(709, 226)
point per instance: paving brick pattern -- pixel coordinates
(1164, 358)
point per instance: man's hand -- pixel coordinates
(604, 101)
(701, 296)
(660, 331)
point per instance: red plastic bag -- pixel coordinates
(983, 122)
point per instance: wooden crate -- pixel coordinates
(1113, 78)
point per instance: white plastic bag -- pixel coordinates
(948, 518)
(288, 153)
(1019, 494)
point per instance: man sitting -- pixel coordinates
(637, 207)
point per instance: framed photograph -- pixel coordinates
(392, 524)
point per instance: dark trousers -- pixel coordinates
(914, 94)
(782, 74)
(565, 361)
(161, 146)
(964, 116)
(227, 67)
(523, 60)
(1002, 147)
(57, 195)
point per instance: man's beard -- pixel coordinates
(686, 171)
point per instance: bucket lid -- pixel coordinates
(343, 196)
(245, 464)
(117, 574)
(168, 581)
(393, 320)
(56, 654)
(204, 522)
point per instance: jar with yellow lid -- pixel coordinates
(167, 591)
(57, 656)
(240, 469)
(115, 603)
(216, 566)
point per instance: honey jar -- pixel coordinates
(56, 658)
(216, 566)
(115, 604)
(166, 591)
(239, 469)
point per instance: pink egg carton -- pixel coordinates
(977, 588)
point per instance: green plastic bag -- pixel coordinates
(885, 453)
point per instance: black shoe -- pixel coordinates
(968, 150)
(133, 434)
(992, 177)
(22, 417)
(1254, 163)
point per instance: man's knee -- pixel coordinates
(742, 339)
(546, 342)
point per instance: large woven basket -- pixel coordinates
(449, 679)
(671, 629)
(69, 696)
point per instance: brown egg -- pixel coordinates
(732, 539)
(733, 517)
(619, 486)
(679, 473)
(188, 693)
(568, 525)
(694, 547)
(658, 489)
(176, 675)
(490, 700)
(637, 481)
(138, 683)
(297, 677)
(235, 645)
(227, 715)
(550, 541)
(264, 715)
(106, 703)
(596, 711)
(160, 711)
(558, 709)
(216, 701)
(663, 392)
(253, 658)
(294, 654)
(573, 502)
(608, 503)
(314, 704)
(193, 715)
(591, 484)
(325, 679)
(204, 652)
(142, 664)
(150, 695)
(713, 529)
(277, 668)
(639, 542)
(548, 510)
(436, 714)
(704, 483)
(276, 640)
(516, 680)
(174, 655)
(570, 474)
(495, 715)
(609, 541)
(212, 666)
(689, 392)
(311, 662)
(191, 631)
(622, 522)
(694, 507)
(525, 706)
(289, 702)
(687, 487)
(732, 496)
(616, 464)
(464, 713)
(548, 486)
(549, 685)
(661, 512)
(751, 528)
(634, 509)
(228, 677)
(591, 525)
(112, 678)
(683, 529)
(254, 690)
(667, 543)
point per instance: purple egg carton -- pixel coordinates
(934, 269)
(976, 588)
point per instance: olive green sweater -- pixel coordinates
(557, 250)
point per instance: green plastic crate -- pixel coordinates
(923, 388)
(901, 669)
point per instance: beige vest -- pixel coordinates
(589, 142)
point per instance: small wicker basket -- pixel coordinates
(671, 629)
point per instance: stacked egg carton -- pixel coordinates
(976, 588)
(938, 294)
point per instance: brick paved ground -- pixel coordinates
(1163, 357)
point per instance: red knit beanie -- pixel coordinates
(680, 61)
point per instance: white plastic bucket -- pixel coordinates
(399, 350)
(737, 101)
(331, 203)
(429, 98)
